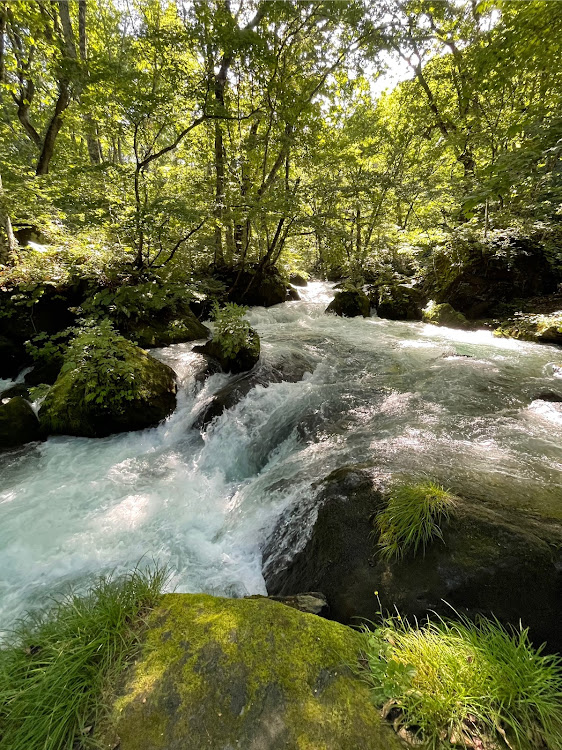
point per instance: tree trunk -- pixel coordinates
(8, 242)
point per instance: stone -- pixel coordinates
(543, 329)
(244, 359)
(297, 279)
(493, 561)
(444, 315)
(66, 410)
(252, 674)
(350, 304)
(148, 333)
(18, 423)
(399, 302)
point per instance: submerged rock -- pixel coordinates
(444, 315)
(491, 561)
(350, 304)
(69, 409)
(18, 423)
(244, 673)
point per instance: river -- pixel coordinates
(407, 398)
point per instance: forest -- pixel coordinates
(280, 374)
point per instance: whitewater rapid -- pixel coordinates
(408, 399)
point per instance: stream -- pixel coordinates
(410, 399)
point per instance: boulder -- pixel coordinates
(399, 302)
(444, 315)
(297, 279)
(292, 368)
(45, 371)
(13, 357)
(252, 674)
(253, 286)
(68, 408)
(543, 329)
(153, 332)
(18, 389)
(18, 423)
(242, 361)
(350, 303)
(491, 561)
(292, 295)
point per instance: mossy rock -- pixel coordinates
(350, 303)
(242, 361)
(544, 329)
(164, 333)
(399, 302)
(444, 315)
(66, 409)
(244, 673)
(18, 423)
(297, 279)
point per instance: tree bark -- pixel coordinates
(8, 242)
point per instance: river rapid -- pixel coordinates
(406, 398)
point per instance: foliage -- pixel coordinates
(55, 668)
(98, 361)
(467, 684)
(231, 331)
(412, 518)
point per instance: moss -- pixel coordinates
(540, 328)
(444, 315)
(246, 673)
(176, 331)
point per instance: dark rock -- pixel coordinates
(297, 280)
(543, 329)
(312, 602)
(251, 674)
(508, 564)
(19, 389)
(44, 372)
(18, 423)
(13, 357)
(552, 396)
(244, 359)
(156, 333)
(66, 409)
(292, 295)
(291, 369)
(254, 286)
(350, 304)
(399, 302)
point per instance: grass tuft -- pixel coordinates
(55, 668)
(470, 684)
(412, 518)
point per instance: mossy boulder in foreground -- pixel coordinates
(107, 385)
(350, 303)
(245, 673)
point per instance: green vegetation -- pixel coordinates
(56, 668)
(232, 332)
(412, 518)
(466, 684)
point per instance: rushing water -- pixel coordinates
(407, 398)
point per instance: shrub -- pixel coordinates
(469, 684)
(412, 517)
(54, 669)
(231, 331)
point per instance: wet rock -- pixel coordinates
(444, 315)
(68, 408)
(292, 295)
(13, 357)
(552, 396)
(399, 302)
(244, 359)
(298, 279)
(244, 673)
(178, 330)
(313, 602)
(543, 329)
(350, 304)
(292, 368)
(45, 372)
(18, 389)
(491, 561)
(18, 423)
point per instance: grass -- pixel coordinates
(55, 669)
(475, 685)
(412, 518)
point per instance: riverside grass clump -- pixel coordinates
(55, 669)
(412, 518)
(467, 684)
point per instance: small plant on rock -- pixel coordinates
(412, 518)
(232, 332)
(465, 684)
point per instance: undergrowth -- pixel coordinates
(54, 669)
(465, 684)
(412, 518)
